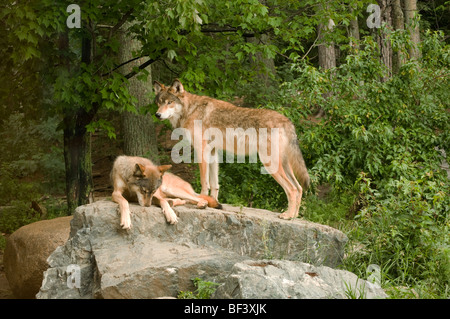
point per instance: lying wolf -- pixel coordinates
(137, 178)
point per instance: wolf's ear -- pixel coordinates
(177, 87)
(164, 168)
(158, 87)
(139, 170)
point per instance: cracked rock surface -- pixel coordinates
(155, 259)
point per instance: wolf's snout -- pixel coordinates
(158, 115)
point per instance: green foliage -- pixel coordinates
(31, 158)
(379, 143)
(204, 290)
(243, 184)
(382, 138)
(2, 242)
(16, 215)
(387, 129)
(406, 227)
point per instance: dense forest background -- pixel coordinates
(367, 88)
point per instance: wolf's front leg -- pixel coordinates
(171, 217)
(124, 208)
(168, 212)
(125, 219)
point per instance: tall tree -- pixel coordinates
(382, 37)
(412, 25)
(264, 66)
(138, 130)
(327, 52)
(398, 21)
(354, 30)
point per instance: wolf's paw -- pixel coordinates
(171, 217)
(285, 216)
(125, 220)
(202, 203)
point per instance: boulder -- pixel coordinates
(155, 259)
(283, 279)
(26, 253)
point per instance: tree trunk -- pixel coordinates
(412, 25)
(354, 33)
(399, 24)
(77, 141)
(78, 163)
(263, 65)
(383, 42)
(327, 52)
(138, 130)
(327, 57)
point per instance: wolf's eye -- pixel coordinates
(170, 102)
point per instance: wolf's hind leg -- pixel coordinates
(293, 193)
(203, 168)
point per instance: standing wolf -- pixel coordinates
(137, 178)
(182, 109)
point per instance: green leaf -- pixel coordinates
(171, 54)
(109, 105)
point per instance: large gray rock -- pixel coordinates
(155, 259)
(282, 279)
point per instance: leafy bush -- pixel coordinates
(16, 215)
(382, 137)
(204, 290)
(13, 188)
(405, 228)
(386, 129)
(31, 157)
(31, 165)
(379, 145)
(242, 184)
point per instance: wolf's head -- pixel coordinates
(146, 181)
(168, 100)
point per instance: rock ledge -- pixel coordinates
(155, 259)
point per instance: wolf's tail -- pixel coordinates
(297, 162)
(211, 201)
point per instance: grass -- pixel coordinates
(204, 290)
(399, 275)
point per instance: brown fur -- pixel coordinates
(138, 179)
(182, 108)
